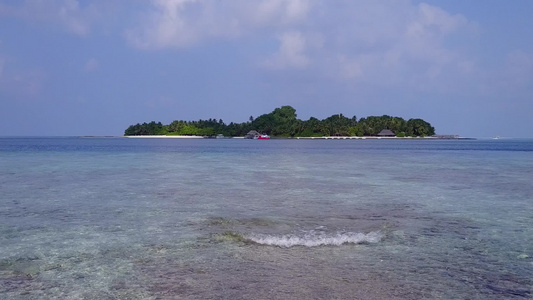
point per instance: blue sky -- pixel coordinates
(72, 67)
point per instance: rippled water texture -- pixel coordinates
(116, 218)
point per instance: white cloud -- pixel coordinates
(291, 52)
(168, 25)
(350, 68)
(284, 11)
(389, 42)
(392, 43)
(184, 23)
(425, 32)
(379, 39)
(434, 16)
(72, 17)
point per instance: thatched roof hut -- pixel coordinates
(252, 134)
(386, 132)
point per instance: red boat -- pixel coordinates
(263, 137)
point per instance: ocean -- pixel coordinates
(118, 218)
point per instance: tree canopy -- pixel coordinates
(283, 122)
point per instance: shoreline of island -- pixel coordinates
(283, 122)
(446, 137)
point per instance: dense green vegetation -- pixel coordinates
(282, 122)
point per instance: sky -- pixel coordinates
(73, 67)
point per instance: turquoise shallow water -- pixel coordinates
(115, 218)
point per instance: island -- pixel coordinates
(282, 122)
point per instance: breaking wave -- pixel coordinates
(313, 239)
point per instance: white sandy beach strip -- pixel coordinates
(165, 136)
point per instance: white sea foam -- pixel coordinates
(313, 239)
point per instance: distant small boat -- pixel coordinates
(496, 138)
(263, 137)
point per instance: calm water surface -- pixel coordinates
(115, 218)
